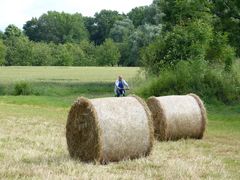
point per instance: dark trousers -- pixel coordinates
(120, 92)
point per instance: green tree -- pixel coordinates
(82, 54)
(61, 55)
(120, 33)
(189, 42)
(137, 15)
(12, 31)
(31, 29)
(77, 54)
(107, 54)
(140, 38)
(145, 15)
(19, 51)
(42, 54)
(91, 26)
(180, 12)
(89, 50)
(103, 22)
(121, 30)
(227, 19)
(2, 52)
(57, 27)
(1, 35)
(220, 52)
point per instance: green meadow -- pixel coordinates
(59, 86)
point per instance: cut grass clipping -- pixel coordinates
(109, 129)
(176, 117)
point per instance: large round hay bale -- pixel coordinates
(176, 117)
(109, 129)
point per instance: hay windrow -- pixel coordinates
(203, 112)
(150, 123)
(82, 131)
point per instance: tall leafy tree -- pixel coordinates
(181, 12)
(187, 34)
(12, 31)
(137, 15)
(57, 27)
(92, 28)
(102, 24)
(145, 15)
(120, 33)
(183, 43)
(140, 38)
(227, 19)
(121, 30)
(31, 29)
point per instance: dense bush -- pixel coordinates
(19, 51)
(83, 54)
(42, 54)
(107, 54)
(22, 88)
(220, 52)
(61, 55)
(211, 83)
(2, 52)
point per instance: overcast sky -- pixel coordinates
(19, 11)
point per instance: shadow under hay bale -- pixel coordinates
(176, 117)
(109, 129)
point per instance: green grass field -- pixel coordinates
(32, 132)
(59, 86)
(64, 74)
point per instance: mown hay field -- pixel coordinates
(33, 143)
(64, 74)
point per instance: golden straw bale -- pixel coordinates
(109, 129)
(176, 117)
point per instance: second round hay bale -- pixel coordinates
(176, 117)
(109, 129)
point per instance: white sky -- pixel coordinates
(19, 11)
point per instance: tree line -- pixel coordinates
(157, 36)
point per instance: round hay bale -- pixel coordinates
(176, 117)
(109, 129)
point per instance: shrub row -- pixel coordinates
(211, 83)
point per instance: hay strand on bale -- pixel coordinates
(176, 117)
(109, 129)
(203, 113)
(150, 122)
(83, 132)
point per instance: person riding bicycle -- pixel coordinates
(119, 86)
